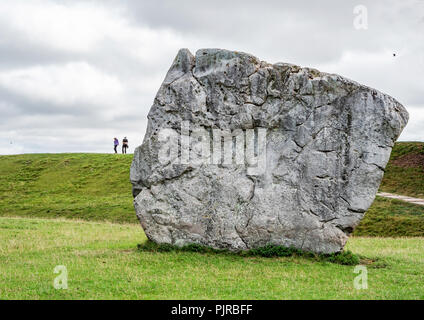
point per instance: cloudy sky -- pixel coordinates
(74, 74)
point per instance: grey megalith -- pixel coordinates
(328, 140)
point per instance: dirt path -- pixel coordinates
(403, 198)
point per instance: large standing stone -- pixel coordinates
(313, 174)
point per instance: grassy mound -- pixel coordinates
(392, 218)
(78, 186)
(96, 187)
(405, 171)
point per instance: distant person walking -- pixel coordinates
(115, 144)
(124, 145)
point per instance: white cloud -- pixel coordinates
(64, 85)
(77, 28)
(414, 130)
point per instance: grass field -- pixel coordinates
(92, 230)
(103, 262)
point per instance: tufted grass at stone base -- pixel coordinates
(103, 262)
(268, 251)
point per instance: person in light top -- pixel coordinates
(115, 144)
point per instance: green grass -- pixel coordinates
(404, 148)
(392, 218)
(96, 187)
(401, 180)
(268, 251)
(107, 255)
(103, 262)
(82, 186)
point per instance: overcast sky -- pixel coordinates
(75, 74)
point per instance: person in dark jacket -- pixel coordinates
(124, 145)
